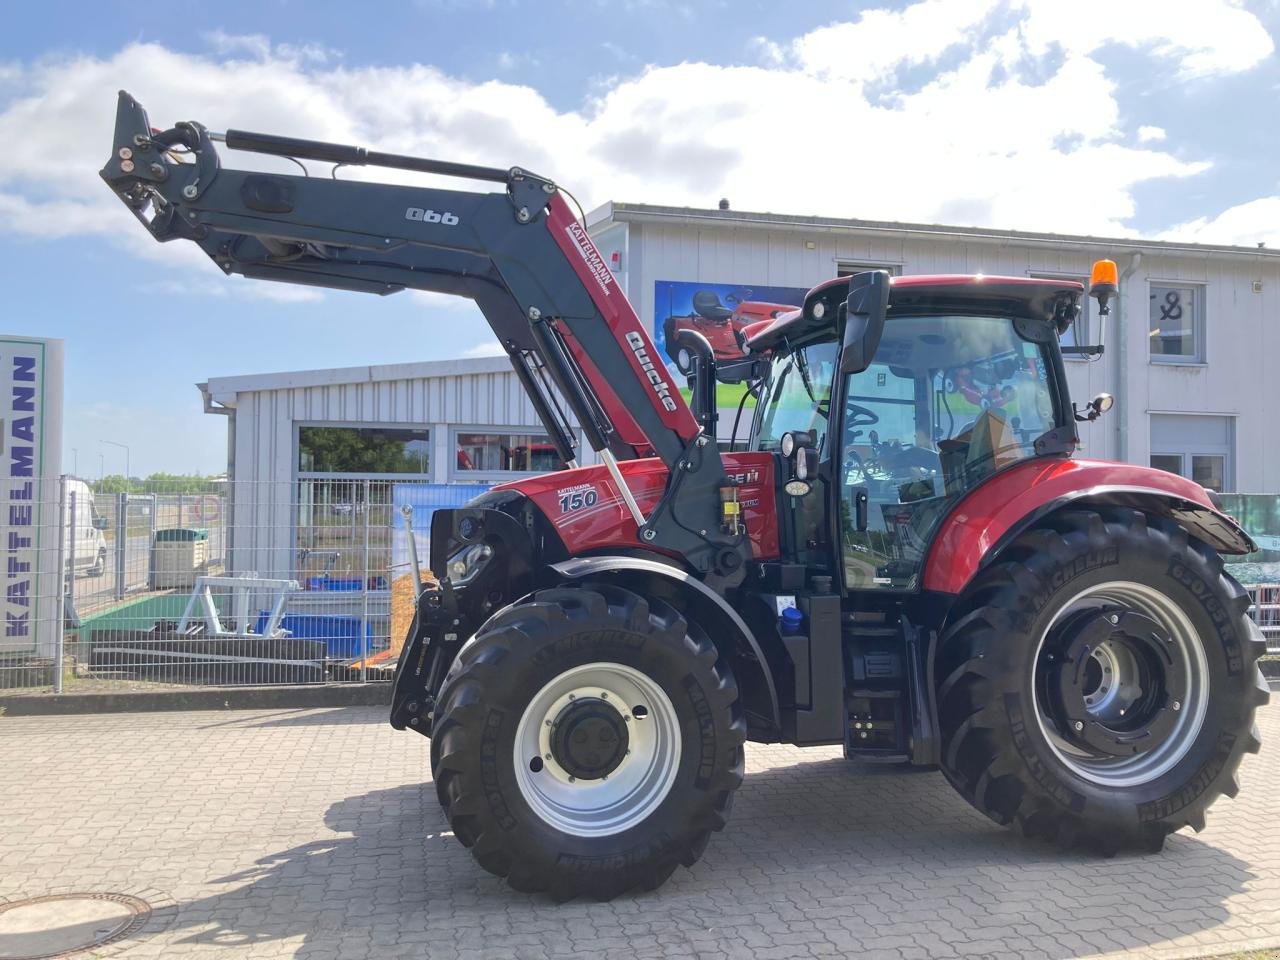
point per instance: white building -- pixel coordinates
(1190, 346)
(1195, 391)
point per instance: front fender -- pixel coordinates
(996, 512)
(713, 613)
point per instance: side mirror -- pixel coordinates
(868, 303)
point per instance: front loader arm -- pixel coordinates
(520, 255)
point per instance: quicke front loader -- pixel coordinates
(906, 559)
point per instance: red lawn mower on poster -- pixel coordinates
(907, 560)
(721, 325)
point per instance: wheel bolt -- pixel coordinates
(573, 779)
(1114, 618)
(573, 696)
(1079, 725)
(547, 722)
(603, 695)
(1177, 706)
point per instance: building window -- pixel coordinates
(1177, 323)
(846, 269)
(362, 450)
(1200, 448)
(1077, 334)
(505, 452)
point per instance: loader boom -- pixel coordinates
(571, 335)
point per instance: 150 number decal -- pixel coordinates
(577, 500)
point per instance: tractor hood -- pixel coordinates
(586, 510)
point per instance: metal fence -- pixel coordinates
(306, 581)
(238, 583)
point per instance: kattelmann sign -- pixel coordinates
(30, 462)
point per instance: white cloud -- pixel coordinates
(236, 287)
(1197, 39)
(1150, 134)
(1244, 225)
(976, 137)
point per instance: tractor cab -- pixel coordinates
(954, 379)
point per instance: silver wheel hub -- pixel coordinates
(1121, 684)
(597, 749)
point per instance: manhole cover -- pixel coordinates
(62, 925)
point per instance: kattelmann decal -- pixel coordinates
(590, 256)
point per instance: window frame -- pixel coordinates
(300, 474)
(849, 268)
(1199, 303)
(1186, 450)
(458, 475)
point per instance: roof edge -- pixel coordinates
(640, 212)
(225, 389)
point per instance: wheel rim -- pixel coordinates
(597, 749)
(1121, 684)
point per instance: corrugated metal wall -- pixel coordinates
(482, 393)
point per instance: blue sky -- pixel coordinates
(1132, 117)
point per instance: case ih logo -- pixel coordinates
(660, 387)
(590, 255)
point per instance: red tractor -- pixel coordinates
(907, 561)
(721, 325)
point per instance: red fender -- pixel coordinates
(986, 518)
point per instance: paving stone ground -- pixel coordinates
(315, 834)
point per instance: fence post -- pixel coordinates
(151, 545)
(181, 501)
(122, 540)
(65, 583)
(364, 620)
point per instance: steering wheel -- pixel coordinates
(858, 416)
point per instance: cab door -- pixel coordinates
(887, 465)
(949, 401)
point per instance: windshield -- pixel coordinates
(797, 394)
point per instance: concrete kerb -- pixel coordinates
(214, 698)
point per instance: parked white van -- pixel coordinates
(86, 546)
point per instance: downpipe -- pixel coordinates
(1122, 359)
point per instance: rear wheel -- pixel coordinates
(587, 742)
(1098, 684)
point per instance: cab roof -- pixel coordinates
(928, 294)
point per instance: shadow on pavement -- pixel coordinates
(815, 852)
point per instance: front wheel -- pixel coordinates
(587, 741)
(1098, 684)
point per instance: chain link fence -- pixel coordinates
(238, 583)
(306, 581)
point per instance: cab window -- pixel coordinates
(797, 395)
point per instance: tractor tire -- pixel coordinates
(1097, 683)
(587, 741)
